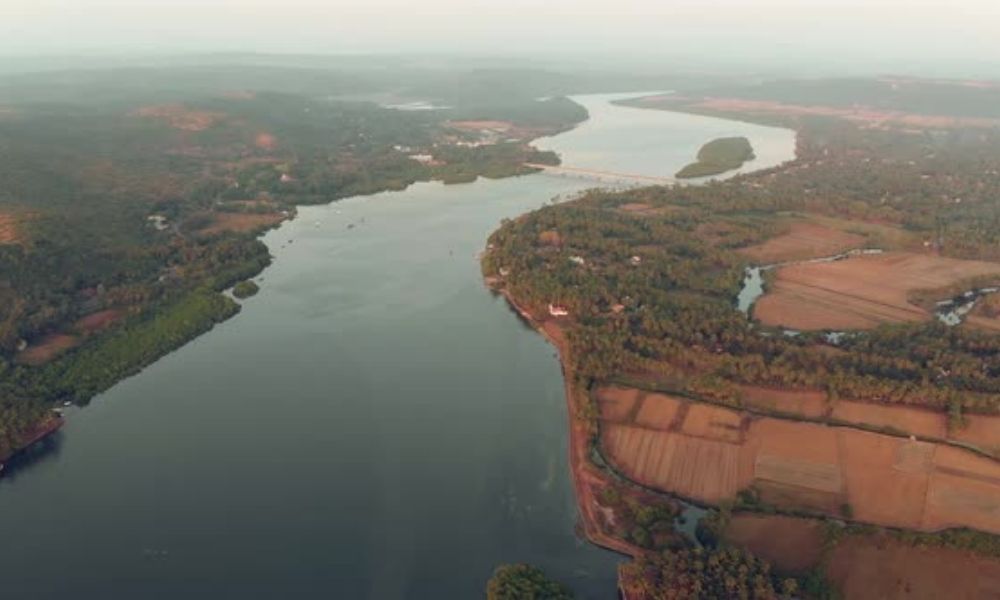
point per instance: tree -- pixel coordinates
(524, 582)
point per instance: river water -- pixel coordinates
(375, 424)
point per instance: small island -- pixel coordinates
(718, 156)
(245, 289)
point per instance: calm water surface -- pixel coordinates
(375, 424)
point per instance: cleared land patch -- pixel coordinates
(241, 222)
(10, 231)
(46, 349)
(616, 402)
(659, 411)
(860, 292)
(981, 431)
(181, 117)
(913, 421)
(870, 116)
(803, 241)
(807, 403)
(883, 568)
(789, 543)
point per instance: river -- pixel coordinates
(375, 424)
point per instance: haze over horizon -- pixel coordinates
(851, 36)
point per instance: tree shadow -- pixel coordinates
(41, 452)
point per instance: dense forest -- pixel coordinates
(702, 573)
(524, 582)
(655, 291)
(128, 204)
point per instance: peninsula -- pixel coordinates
(841, 423)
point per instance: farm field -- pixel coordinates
(870, 569)
(803, 241)
(860, 292)
(807, 403)
(709, 453)
(789, 543)
(914, 421)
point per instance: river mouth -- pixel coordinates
(375, 422)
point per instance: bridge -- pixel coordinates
(603, 176)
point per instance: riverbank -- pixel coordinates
(33, 436)
(585, 476)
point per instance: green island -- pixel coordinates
(245, 289)
(719, 156)
(836, 419)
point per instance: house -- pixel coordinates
(636, 260)
(557, 310)
(577, 260)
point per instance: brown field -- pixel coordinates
(181, 117)
(870, 568)
(641, 209)
(985, 316)
(242, 222)
(807, 403)
(550, 238)
(985, 324)
(97, 321)
(46, 349)
(480, 125)
(616, 403)
(659, 411)
(861, 114)
(710, 453)
(914, 421)
(10, 233)
(713, 423)
(803, 241)
(980, 430)
(693, 467)
(790, 544)
(881, 235)
(265, 141)
(860, 292)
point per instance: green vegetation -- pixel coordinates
(718, 156)
(147, 201)
(524, 582)
(679, 324)
(245, 289)
(646, 524)
(698, 573)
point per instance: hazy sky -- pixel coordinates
(863, 32)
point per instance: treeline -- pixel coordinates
(703, 573)
(524, 582)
